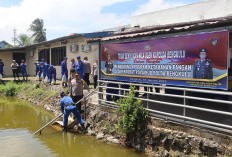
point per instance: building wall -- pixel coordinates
(92, 55)
(197, 11)
(7, 57)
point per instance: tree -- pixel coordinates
(39, 33)
(23, 40)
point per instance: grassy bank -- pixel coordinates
(29, 90)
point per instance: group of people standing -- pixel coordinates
(43, 69)
(82, 68)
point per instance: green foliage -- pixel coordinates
(66, 91)
(24, 40)
(39, 33)
(134, 115)
(10, 88)
(36, 85)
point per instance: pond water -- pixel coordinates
(20, 119)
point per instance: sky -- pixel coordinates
(63, 17)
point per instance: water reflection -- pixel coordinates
(20, 119)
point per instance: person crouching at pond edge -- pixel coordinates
(77, 87)
(67, 106)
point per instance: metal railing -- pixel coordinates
(196, 107)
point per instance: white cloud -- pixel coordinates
(155, 5)
(61, 17)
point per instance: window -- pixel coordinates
(44, 54)
(85, 48)
(58, 54)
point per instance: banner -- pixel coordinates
(196, 60)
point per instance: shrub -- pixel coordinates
(134, 115)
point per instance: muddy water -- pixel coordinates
(20, 119)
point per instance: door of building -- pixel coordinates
(18, 57)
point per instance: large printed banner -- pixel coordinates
(196, 60)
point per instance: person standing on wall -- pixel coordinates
(80, 67)
(64, 71)
(1, 67)
(77, 87)
(94, 73)
(15, 71)
(87, 70)
(23, 67)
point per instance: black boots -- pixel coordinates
(65, 129)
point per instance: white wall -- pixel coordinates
(207, 9)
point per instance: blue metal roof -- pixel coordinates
(95, 34)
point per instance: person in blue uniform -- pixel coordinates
(80, 67)
(203, 68)
(46, 72)
(41, 71)
(109, 65)
(23, 66)
(67, 106)
(1, 67)
(64, 70)
(52, 73)
(73, 63)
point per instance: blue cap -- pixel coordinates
(41, 62)
(37, 59)
(65, 57)
(62, 94)
(203, 50)
(35, 62)
(78, 57)
(22, 60)
(51, 66)
(42, 59)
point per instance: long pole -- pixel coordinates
(53, 120)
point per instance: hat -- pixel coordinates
(41, 62)
(76, 74)
(35, 62)
(13, 60)
(72, 70)
(22, 60)
(203, 50)
(65, 57)
(51, 66)
(42, 59)
(37, 59)
(78, 57)
(62, 94)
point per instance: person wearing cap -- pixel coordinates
(73, 63)
(52, 73)
(77, 87)
(23, 66)
(80, 67)
(64, 70)
(67, 106)
(41, 71)
(203, 68)
(15, 71)
(46, 72)
(1, 67)
(87, 70)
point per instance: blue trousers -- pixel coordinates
(24, 73)
(76, 113)
(50, 77)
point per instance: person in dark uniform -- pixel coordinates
(203, 68)
(109, 65)
(1, 67)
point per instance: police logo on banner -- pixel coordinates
(214, 42)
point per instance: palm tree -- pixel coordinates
(39, 33)
(23, 40)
